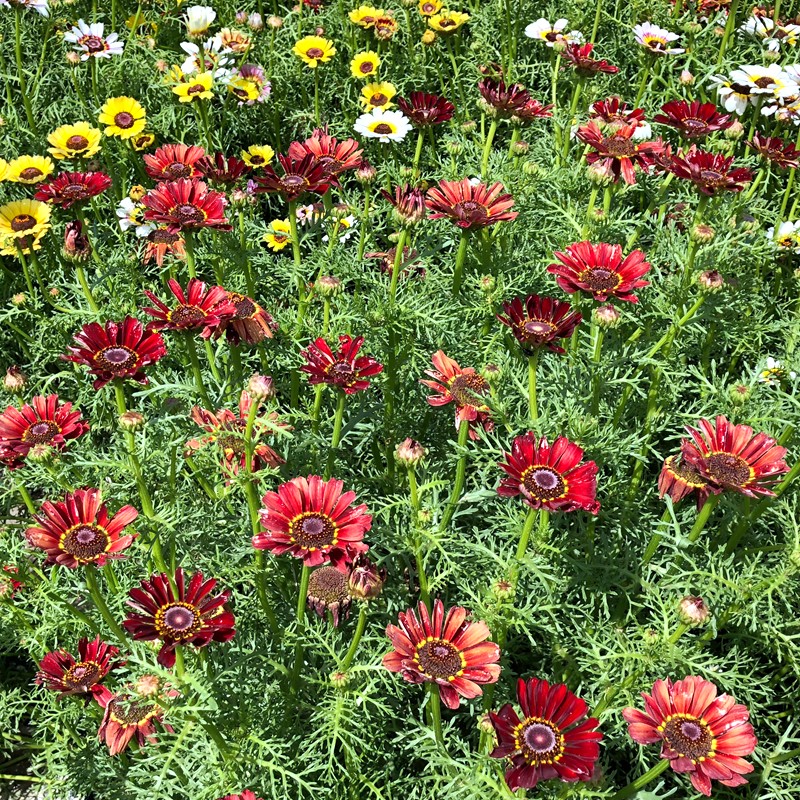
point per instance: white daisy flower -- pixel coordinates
(309, 214)
(215, 59)
(347, 226)
(656, 40)
(774, 373)
(757, 27)
(551, 34)
(89, 40)
(131, 215)
(386, 126)
(199, 19)
(787, 236)
(37, 5)
(735, 97)
(765, 80)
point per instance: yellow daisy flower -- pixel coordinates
(244, 90)
(29, 169)
(174, 75)
(123, 117)
(198, 87)
(447, 21)
(80, 140)
(365, 16)
(365, 64)
(279, 235)
(314, 50)
(143, 141)
(10, 245)
(378, 95)
(22, 218)
(257, 155)
(3, 170)
(430, 7)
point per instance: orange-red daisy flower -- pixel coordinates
(186, 204)
(173, 161)
(69, 188)
(198, 307)
(333, 156)
(469, 206)
(618, 151)
(250, 322)
(127, 717)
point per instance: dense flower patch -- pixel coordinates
(399, 401)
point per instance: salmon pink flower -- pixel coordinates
(186, 204)
(250, 322)
(470, 206)
(127, 717)
(327, 152)
(679, 479)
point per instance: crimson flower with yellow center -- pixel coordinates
(344, 369)
(69, 188)
(186, 204)
(468, 206)
(199, 307)
(619, 152)
(540, 321)
(678, 479)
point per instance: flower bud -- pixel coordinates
(76, 247)
(54, 291)
(770, 55)
(241, 17)
(261, 387)
(503, 589)
(485, 723)
(735, 131)
(137, 192)
(599, 174)
(487, 283)
(739, 394)
(275, 22)
(693, 27)
(151, 43)
(469, 125)
(366, 579)
(453, 148)
(19, 299)
(492, 373)
(161, 65)
(73, 58)
(520, 148)
(702, 233)
(131, 420)
(710, 281)
(409, 453)
(693, 610)
(339, 680)
(95, 165)
(607, 316)
(429, 37)
(531, 168)
(686, 78)
(424, 516)
(366, 173)
(328, 286)
(559, 46)
(40, 453)
(255, 21)
(15, 380)
(147, 685)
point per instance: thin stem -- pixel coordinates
(398, 261)
(20, 73)
(461, 473)
(435, 712)
(533, 362)
(26, 498)
(597, 335)
(300, 619)
(359, 632)
(525, 535)
(100, 603)
(642, 781)
(198, 374)
(655, 540)
(337, 433)
(458, 272)
(643, 83)
(419, 556)
(487, 147)
(729, 26)
(418, 151)
(702, 517)
(316, 96)
(188, 244)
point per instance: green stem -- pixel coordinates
(487, 147)
(26, 498)
(461, 473)
(20, 73)
(729, 26)
(418, 151)
(524, 537)
(396, 266)
(100, 603)
(596, 377)
(640, 783)
(435, 712)
(359, 632)
(337, 434)
(316, 96)
(300, 620)
(188, 243)
(702, 517)
(655, 540)
(461, 255)
(198, 374)
(533, 362)
(643, 83)
(419, 556)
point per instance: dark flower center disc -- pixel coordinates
(313, 530)
(539, 741)
(40, 432)
(124, 120)
(23, 222)
(439, 659)
(727, 469)
(688, 736)
(85, 542)
(178, 621)
(77, 142)
(83, 674)
(543, 483)
(117, 359)
(466, 390)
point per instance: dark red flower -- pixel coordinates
(327, 152)
(222, 169)
(344, 369)
(179, 614)
(548, 477)
(730, 457)
(312, 519)
(186, 204)
(619, 152)
(450, 651)
(245, 795)
(251, 323)
(552, 740)
(600, 270)
(161, 241)
(463, 387)
(580, 57)
(119, 350)
(410, 256)
(711, 173)
(505, 100)
(469, 206)
(408, 203)
(61, 672)
(701, 732)
(173, 161)
(69, 188)
(424, 109)
(300, 175)
(533, 110)
(128, 716)
(226, 430)
(9, 585)
(44, 421)
(198, 307)
(613, 114)
(679, 479)
(540, 321)
(693, 119)
(78, 530)
(776, 150)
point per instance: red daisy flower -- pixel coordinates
(44, 421)
(117, 351)
(344, 369)
(222, 169)
(186, 204)
(408, 203)
(553, 739)
(711, 173)
(245, 795)
(450, 651)
(179, 614)
(539, 321)
(533, 110)
(505, 100)
(693, 119)
(226, 430)
(580, 57)
(198, 307)
(469, 206)
(160, 242)
(679, 479)
(776, 150)
(619, 153)
(464, 387)
(328, 152)
(386, 262)
(78, 530)
(9, 585)
(300, 175)
(310, 518)
(548, 477)
(173, 161)
(612, 114)
(423, 109)
(730, 457)
(61, 672)
(600, 270)
(128, 716)
(69, 188)
(250, 322)
(701, 732)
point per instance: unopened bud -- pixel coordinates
(693, 27)
(735, 131)
(339, 679)
(686, 77)
(15, 380)
(531, 168)
(161, 65)
(492, 373)
(131, 420)
(453, 148)
(607, 316)
(488, 284)
(147, 685)
(366, 173)
(241, 17)
(409, 453)
(137, 192)
(429, 37)
(702, 233)
(559, 46)
(255, 21)
(328, 286)
(693, 610)
(366, 579)
(40, 453)
(520, 148)
(261, 387)
(710, 280)
(485, 723)
(503, 589)
(739, 394)
(469, 125)
(599, 174)
(19, 299)
(73, 58)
